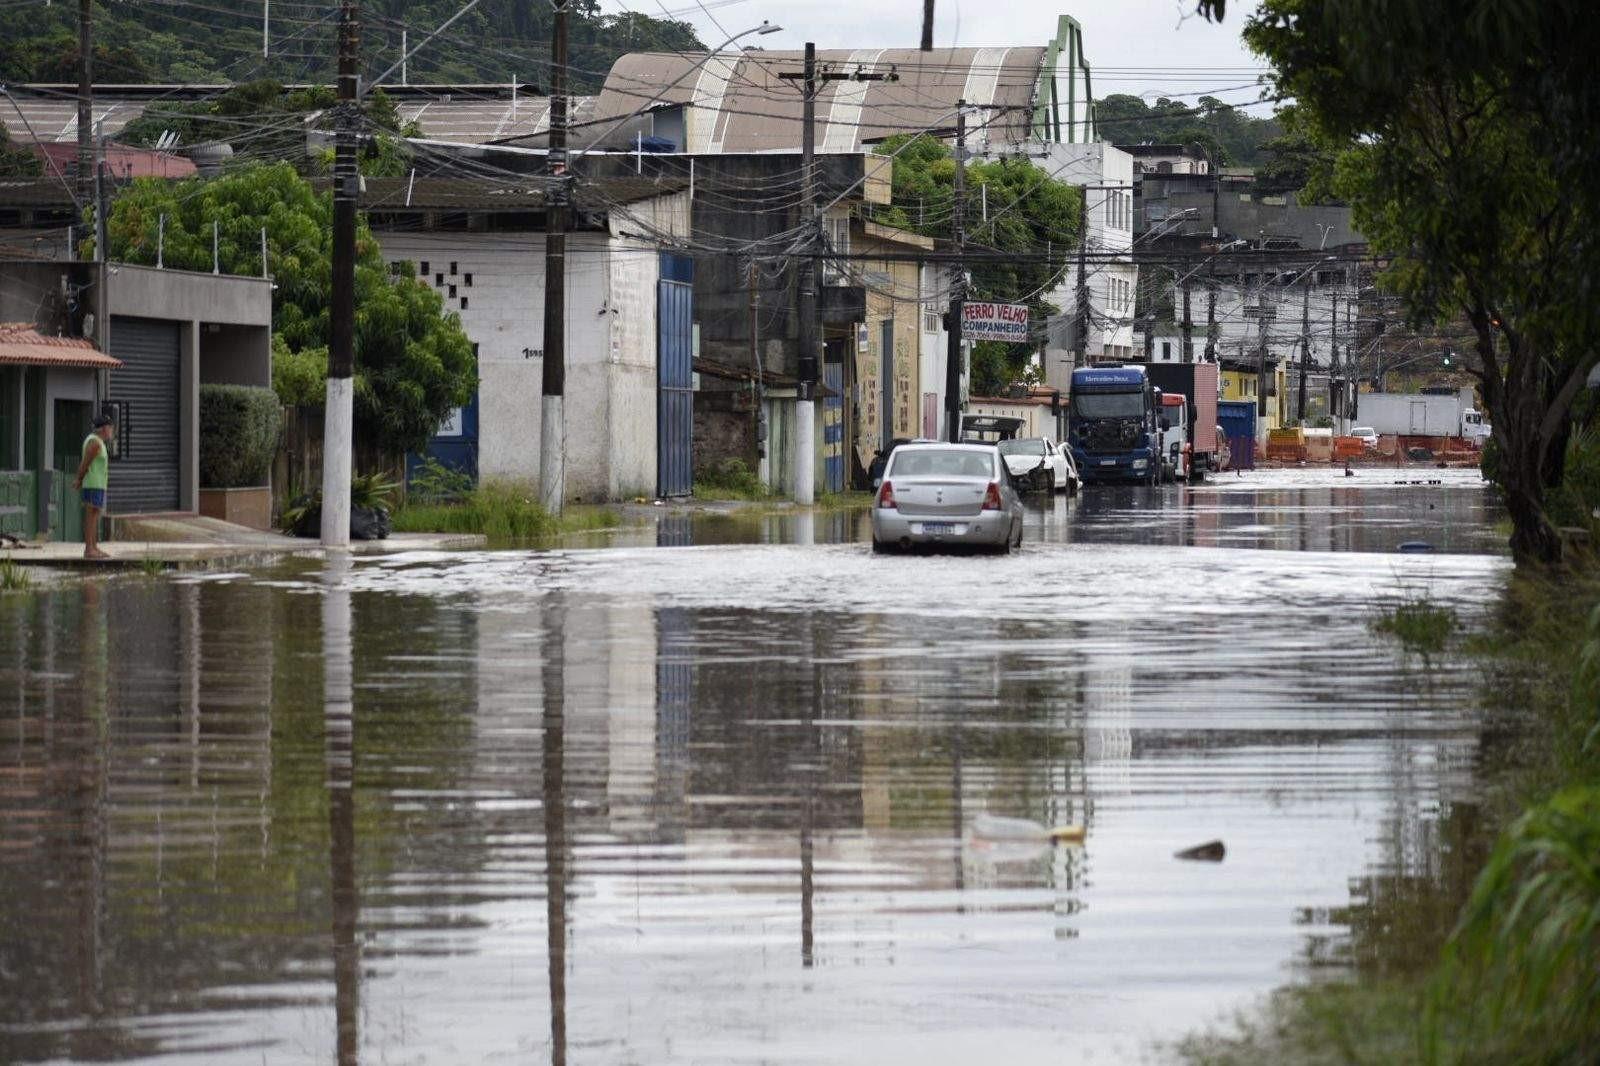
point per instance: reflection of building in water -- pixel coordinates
(1108, 715)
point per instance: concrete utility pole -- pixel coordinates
(958, 286)
(1188, 327)
(1335, 386)
(1305, 349)
(1080, 340)
(1211, 321)
(927, 25)
(552, 427)
(338, 413)
(85, 104)
(1261, 359)
(805, 408)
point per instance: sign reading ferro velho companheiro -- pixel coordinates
(983, 321)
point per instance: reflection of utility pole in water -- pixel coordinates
(338, 725)
(82, 762)
(811, 751)
(555, 826)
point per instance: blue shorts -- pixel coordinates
(95, 498)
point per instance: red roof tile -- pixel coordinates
(22, 345)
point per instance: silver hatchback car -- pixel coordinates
(947, 494)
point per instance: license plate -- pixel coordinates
(1108, 462)
(938, 527)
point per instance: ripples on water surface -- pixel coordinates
(713, 804)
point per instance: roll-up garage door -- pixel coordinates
(144, 476)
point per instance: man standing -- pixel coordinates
(93, 472)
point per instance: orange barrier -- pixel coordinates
(1349, 448)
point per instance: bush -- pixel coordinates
(239, 427)
(730, 479)
(299, 378)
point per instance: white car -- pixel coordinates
(1038, 463)
(1368, 435)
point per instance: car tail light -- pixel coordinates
(886, 497)
(991, 498)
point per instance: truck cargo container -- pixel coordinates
(1198, 383)
(1415, 414)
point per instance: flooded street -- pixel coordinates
(726, 789)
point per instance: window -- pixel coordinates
(1166, 351)
(422, 268)
(930, 320)
(836, 228)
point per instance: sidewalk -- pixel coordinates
(182, 542)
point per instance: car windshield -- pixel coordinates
(940, 462)
(1022, 447)
(1173, 414)
(1108, 404)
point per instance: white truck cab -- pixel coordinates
(1175, 449)
(1474, 428)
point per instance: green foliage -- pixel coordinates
(1418, 623)
(1228, 135)
(1573, 502)
(371, 492)
(503, 511)
(434, 482)
(299, 378)
(1520, 971)
(239, 429)
(1297, 161)
(414, 363)
(17, 162)
(1045, 213)
(196, 44)
(730, 479)
(13, 578)
(1477, 170)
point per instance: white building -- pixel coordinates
(494, 279)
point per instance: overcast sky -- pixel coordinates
(1146, 47)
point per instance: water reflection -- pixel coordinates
(450, 790)
(338, 718)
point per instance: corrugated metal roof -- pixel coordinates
(472, 114)
(22, 345)
(737, 102)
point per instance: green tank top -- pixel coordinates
(95, 476)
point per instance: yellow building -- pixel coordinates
(1240, 382)
(885, 367)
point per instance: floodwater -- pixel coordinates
(729, 800)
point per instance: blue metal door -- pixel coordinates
(833, 428)
(675, 370)
(454, 444)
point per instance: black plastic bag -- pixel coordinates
(369, 523)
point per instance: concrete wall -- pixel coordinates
(187, 296)
(235, 355)
(33, 292)
(935, 354)
(610, 408)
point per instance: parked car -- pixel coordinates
(880, 460)
(1038, 463)
(947, 494)
(1368, 435)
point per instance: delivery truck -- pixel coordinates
(1415, 414)
(1197, 383)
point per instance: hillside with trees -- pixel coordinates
(1228, 134)
(184, 42)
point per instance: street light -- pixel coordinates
(761, 30)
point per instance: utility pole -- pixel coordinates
(1188, 326)
(805, 415)
(1211, 321)
(1305, 349)
(958, 286)
(266, 26)
(927, 25)
(552, 427)
(1080, 340)
(86, 169)
(755, 357)
(805, 410)
(338, 412)
(1335, 387)
(1261, 360)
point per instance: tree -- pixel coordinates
(413, 362)
(1226, 134)
(1028, 213)
(17, 162)
(1467, 153)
